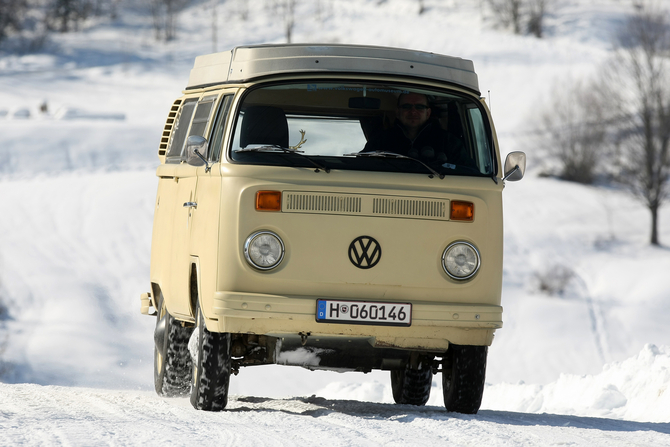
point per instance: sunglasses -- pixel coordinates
(419, 107)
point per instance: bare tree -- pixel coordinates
(514, 13)
(323, 9)
(172, 10)
(243, 9)
(574, 130)
(215, 26)
(65, 15)
(165, 14)
(507, 13)
(289, 18)
(11, 16)
(422, 7)
(640, 77)
(537, 10)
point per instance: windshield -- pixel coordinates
(363, 126)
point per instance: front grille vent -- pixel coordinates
(326, 203)
(410, 207)
(365, 205)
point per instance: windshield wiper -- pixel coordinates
(385, 154)
(286, 150)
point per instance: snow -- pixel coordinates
(307, 357)
(634, 389)
(587, 366)
(84, 416)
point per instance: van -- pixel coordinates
(334, 207)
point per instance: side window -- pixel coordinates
(201, 117)
(180, 129)
(217, 136)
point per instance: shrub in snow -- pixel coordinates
(513, 13)
(554, 280)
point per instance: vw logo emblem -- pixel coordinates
(365, 252)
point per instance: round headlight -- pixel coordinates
(461, 260)
(264, 250)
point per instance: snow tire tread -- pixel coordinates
(463, 377)
(173, 377)
(212, 372)
(411, 386)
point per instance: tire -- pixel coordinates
(211, 367)
(172, 361)
(411, 386)
(463, 376)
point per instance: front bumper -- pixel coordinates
(434, 325)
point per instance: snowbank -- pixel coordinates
(635, 389)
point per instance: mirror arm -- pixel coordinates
(208, 167)
(516, 168)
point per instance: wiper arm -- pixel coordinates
(386, 154)
(286, 150)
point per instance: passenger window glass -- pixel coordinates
(180, 129)
(483, 150)
(219, 127)
(201, 117)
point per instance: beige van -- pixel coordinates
(332, 207)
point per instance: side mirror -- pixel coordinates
(515, 166)
(196, 146)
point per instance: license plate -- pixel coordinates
(363, 312)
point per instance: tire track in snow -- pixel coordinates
(597, 320)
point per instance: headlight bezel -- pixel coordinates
(454, 245)
(248, 246)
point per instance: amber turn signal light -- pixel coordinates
(268, 201)
(463, 211)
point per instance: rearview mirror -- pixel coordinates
(515, 166)
(196, 146)
(363, 102)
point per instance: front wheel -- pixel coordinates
(210, 352)
(463, 375)
(172, 362)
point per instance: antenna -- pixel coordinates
(489, 101)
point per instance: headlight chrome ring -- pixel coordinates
(461, 260)
(264, 250)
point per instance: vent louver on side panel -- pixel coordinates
(410, 207)
(323, 203)
(167, 130)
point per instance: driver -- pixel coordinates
(414, 135)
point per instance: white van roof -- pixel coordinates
(249, 62)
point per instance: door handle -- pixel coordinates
(190, 205)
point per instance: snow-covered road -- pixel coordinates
(50, 415)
